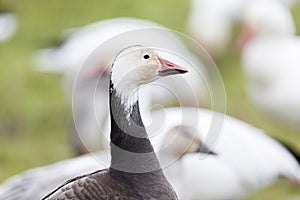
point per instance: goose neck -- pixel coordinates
(131, 149)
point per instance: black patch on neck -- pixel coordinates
(127, 133)
(131, 149)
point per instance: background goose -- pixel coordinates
(8, 25)
(242, 161)
(87, 52)
(134, 171)
(211, 22)
(271, 62)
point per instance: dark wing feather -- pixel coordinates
(67, 186)
(95, 186)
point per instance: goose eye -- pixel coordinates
(146, 56)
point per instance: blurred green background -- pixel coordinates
(34, 114)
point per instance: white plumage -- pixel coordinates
(271, 61)
(211, 22)
(8, 25)
(246, 160)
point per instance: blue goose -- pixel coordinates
(134, 172)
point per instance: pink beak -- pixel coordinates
(245, 36)
(169, 68)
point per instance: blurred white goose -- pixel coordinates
(242, 161)
(211, 21)
(8, 25)
(86, 54)
(270, 58)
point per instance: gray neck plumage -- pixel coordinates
(131, 150)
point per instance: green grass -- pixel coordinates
(34, 115)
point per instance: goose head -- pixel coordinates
(137, 65)
(181, 140)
